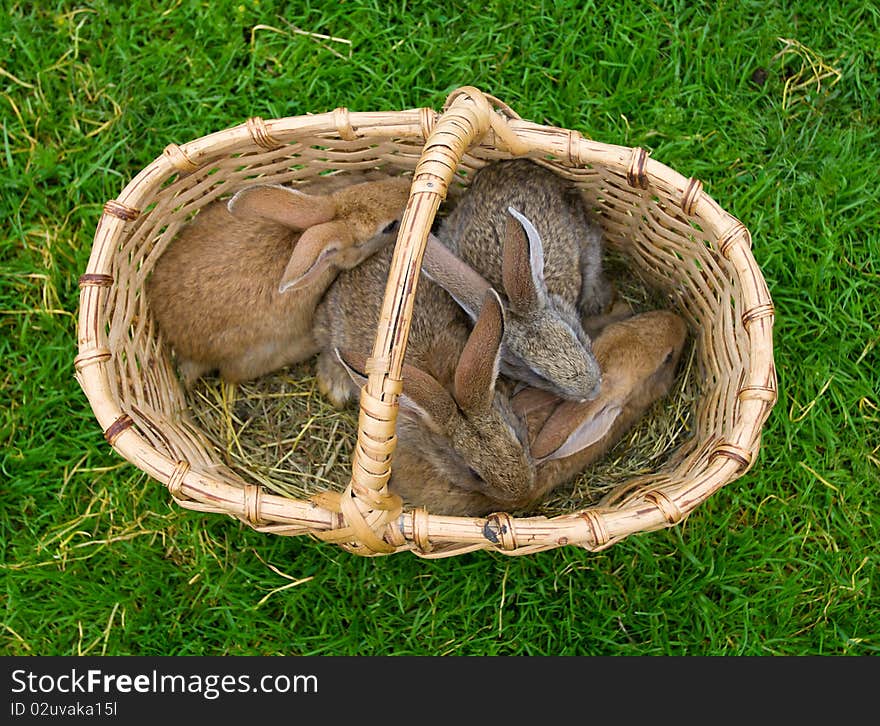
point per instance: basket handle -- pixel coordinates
(367, 505)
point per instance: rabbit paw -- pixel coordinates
(333, 381)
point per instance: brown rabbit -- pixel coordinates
(236, 290)
(526, 231)
(451, 413)
(638, 358)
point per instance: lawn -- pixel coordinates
(774, 106)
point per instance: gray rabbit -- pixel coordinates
(526, 231)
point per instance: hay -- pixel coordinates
(277, 431)
(281, 433)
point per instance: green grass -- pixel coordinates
(97, 559)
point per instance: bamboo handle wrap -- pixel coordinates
(367, 505)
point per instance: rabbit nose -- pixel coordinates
(594, 393)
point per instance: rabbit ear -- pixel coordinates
(289, 207)
(422, 396)
(426, 398)
(574, 426)
(528, 400)
(466, 286)
(316, 249)
(478, 364)
(534, 406)
(522, 264)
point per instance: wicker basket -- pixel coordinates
(678, 237)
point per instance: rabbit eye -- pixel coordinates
(391, 227)
(474, 473)
(668, 359)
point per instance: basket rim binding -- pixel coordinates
(366, 519)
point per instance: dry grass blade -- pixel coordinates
(813, 70)
(317, 37)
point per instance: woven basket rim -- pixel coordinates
(366, 519)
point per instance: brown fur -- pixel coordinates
(638, 357)
(215, 290)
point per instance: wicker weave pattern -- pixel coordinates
(679, 238)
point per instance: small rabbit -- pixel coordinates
(526, 231)
(451, 415)
(638, 357)
(236, 290)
